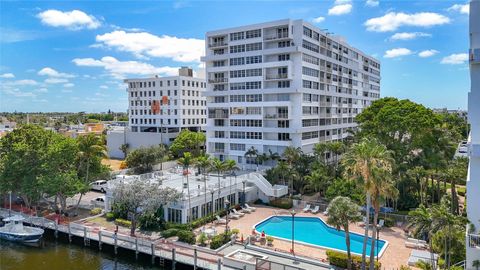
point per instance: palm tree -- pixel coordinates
(252, 152)
(336, 148)
(317, 180)
(219, 167)
(291, 155)
(262, 158)
(161, 151)
(319, 150)
(421, 221)
(382, 187)
(273, 156)
(360, 162)
(124, 148)
(186, 161)
(231, 166)
(341, 212)
(90, 148)
(204, 164)
(283, 169)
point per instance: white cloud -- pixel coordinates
(20, 83)
(372, 3)
(427, 53)
(50, 72)
(119, 69)
(340, 9)
(318, 19)
(42, 90)
(455, 59)
(397, 52)
(392, 21)
(7, 76)
(73, 20)
(55, 80)
(18, 93)
(409, 36)
(463, 9)
(103, 87)
(69, 85)
(66, 91)
(143, 44)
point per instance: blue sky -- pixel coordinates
(72, 56)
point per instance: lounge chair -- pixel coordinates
(251, 208)
(316, 209)
(246, 210)
(381, 223)
(307, 208)
(233, 216)
(221, 220)
(237, 213)
(363, 222)
(325, 212)
(416, 243)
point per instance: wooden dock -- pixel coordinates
(160, 251)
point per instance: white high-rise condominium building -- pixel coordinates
(283, 83)
(158, 109)
(473, 178)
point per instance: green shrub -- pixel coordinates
(149, 222)
(95, 211)
(340, 259)
(220, 240)
(235, 231)
(123, 222)
(186, 237)
(170, 232)
(284, 203)
(110, 216)
(178, 226)
(270, 238)
(202, 239)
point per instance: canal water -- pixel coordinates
(53, 254)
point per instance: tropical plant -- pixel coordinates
(186, 161)
(124, 148)
(252, 153)
(219, 167)
(188, 141)
(141, 160)
(231, 166)
(317, 181)
(360, 162)
(341, 212)
(204, 163)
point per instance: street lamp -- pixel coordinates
(212, 191)
(378, 237)
(227, 207)
(243, 195)
(235, 197)
(293, 213)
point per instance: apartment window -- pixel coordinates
(237, 61)
(283, 84)
(254, 33)
(283, 44)
(237, 36)
(253, 98)
(237, 147)
(310, 46)
(310, 59)
(254, 59)
(310, 72)
(309, 135)
(284, 136)
(219, 134)
(237, 48)
(237, 135)
(283, 57)
(254, 135)
(237, 98)
(254, 46)
(254, 110)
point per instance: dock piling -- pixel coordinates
(195, 259)
(219, 264)
(115, 243)
(173, 259)
(69, 233)
(99, 240)
(152, 247)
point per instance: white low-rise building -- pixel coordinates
(158, 109)
(237, 189)
(283, 83)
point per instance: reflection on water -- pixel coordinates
(53, 255)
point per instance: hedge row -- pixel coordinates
(123, 222)
(185, 236)
(340, 259)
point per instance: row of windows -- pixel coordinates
(246, 85)
(246, 98)
(245, 123)
(321, 133)
(326, 122)
(247, 34)
(246, 73)
(246, 60)
(169, 112)
(246, 47)
(141, 121)
(153, 83)
(247, 110)
(153, 93)
(185, 102)
(245, 135)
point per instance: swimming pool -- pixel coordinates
(313, 231)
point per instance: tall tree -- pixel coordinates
(141, 160)
(188, 141)
(341, 212)
(204, 163)
(318, 180)
(252, 153)
(231, 167)
(142, 197)
(360, 162)
(186, 162)
(219, 167)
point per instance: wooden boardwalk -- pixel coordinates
(197, 257)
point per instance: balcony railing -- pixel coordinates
(276, 36)
(218, 115)
(276, 76)
(217, 44)
(218, 80)
(474, 241)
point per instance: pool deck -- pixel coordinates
(395, 255)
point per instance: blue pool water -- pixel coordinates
(314, 231)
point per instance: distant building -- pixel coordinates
(158, 109)
(74, 131)
(283, 83)
(462, 113)
(6, 126)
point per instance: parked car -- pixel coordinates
(100, 185)
(99, 201)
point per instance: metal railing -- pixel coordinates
(218, 80)
(217, 44)
(276, 76)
